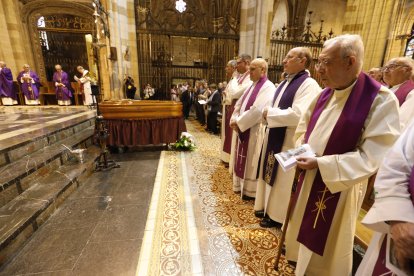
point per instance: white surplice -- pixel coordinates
(235, 91)
(251, 119)
(275, 200)
(407, 108)
(392, 198)
(224, 156)
(347, 173)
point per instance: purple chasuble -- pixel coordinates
(29, 89)
(321, 203)
(228, 131)
(6, 84)
(244, 137)
(403, 91)
(276, 135)
(62, 93)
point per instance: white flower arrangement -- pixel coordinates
(186, 142)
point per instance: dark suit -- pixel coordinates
(185, 99)
(213, 105)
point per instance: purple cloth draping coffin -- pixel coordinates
(144, 131)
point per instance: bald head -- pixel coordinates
(2, 64)
(258, 69)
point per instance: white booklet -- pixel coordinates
(202, 102)
(391, 261)
(287, 159)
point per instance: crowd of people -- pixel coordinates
(29, 83)
(350, 126)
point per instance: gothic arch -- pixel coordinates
(31, 11)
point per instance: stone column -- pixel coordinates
(255, 27)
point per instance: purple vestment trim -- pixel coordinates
(243, 143)
(321, 204)
(228, 131)
(276, 135)
(29, 89)
(62, 93)
(403, 91)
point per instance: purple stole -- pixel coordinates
(6, 84)
(244, 137)
(241, 78)
(403, 91)
(276, 135)
(29, 89)
(380, 268)
(316, 222)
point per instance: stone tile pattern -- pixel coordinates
(170, 243)
(233, 242)
(99, 228)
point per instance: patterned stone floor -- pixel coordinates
(194, 215)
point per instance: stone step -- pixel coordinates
(27, 144)
(18, 176)
(21, 217)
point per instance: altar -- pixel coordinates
(136, 123)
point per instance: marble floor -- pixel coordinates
(160, 213)
(21, 123)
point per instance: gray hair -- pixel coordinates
(406, 61)
(245, 57)
(350, 45)
(232, 63)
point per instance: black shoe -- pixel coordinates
(268, 223)
(259, 213)
(245, 197)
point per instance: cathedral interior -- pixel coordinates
(152, 210)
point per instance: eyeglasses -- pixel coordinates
(393, 66)
(322, 63)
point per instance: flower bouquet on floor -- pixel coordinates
(186, 142)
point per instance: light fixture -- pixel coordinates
(180, 6)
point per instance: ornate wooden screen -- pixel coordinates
(62, 41)
(287, 38)
(195, 44)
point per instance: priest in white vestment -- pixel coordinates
(226, 131)
(290, 101)
(397, 74)
(234, 92)
(85, 86)
(247, 122)
(393, 209)
(350, 127)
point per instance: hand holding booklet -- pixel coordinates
(202, 102)
(287, 159)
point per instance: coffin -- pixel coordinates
(134, 123)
